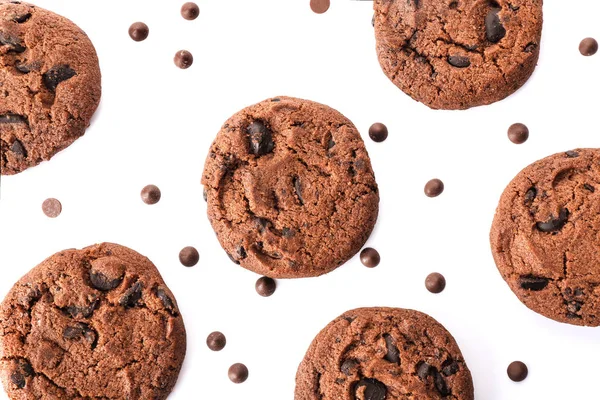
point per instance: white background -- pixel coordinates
(156, 123)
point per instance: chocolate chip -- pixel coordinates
(18, 149)
(261, 138)
(440, 383)
(589, 187)
(82, 312)
(572, 154)
(459, 61)
(13, 43)
(423, 370)
(190, 11)
(435, 282)
(265, 286)
(530, 48)
(518, 133)
(12, 119)
(574, 306)
(434, 188)
(23, 68)
(132, 295)
(261, 223)
(56, 75)
(449, 367)
(216, 341)
(240, 252)
(150, 194)
(298, 189)
(20, 19)
(183, 59)
(319, 6)
(189, 256)
(373, 389)
(330, 143)
(166, 301)
(79, 330)
(517, 371)
(534, 283)
(102, 282)
(348, 366)
(275, 100)
(393, 355)
(139, 31)
(530, 195)
(17, 379)
(25, 367)
(554, 224)
(233, 259)
(238, 373)
(494, 31)
(51, 207)
(378, 132)
(369, 257)
(588, 47)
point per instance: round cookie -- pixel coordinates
(456, 54)
(383, 354)
(544, 237)
(49, 85)
(290, 188)
(91, 323)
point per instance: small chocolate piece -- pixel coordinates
(378, 132)
(373, 389)
(494, 31)
(533, 283)
(261, 138)
(166, 301)
(319, 6)
(216, 341)
(265, 286)
(450, 367)
(369, 257)
(530, 195)
(150, 194)
(52, 207)
(589, 187)
(139, 31)
(183, 59)
(17, 379)
(518, 133)
(189, 256)
(588, 47)
(572, 154)
(392, 355)
(348, 366)
(434, 188)
(56, 75)
(103, 282)
(190, 11)
(18, 148)
(238, 373)
(517, 371)
(435, 282)
(554, 224)
(132, 295)
(459, 61)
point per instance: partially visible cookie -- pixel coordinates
(92, 323)
(49, 84)
(456, 54)
(290, 188)
(545, 236)
(383, 354)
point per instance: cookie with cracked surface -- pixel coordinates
(457, 54)
(383, 354)
(544, 237)
(290, 188)
(92, 323)
(49, 85)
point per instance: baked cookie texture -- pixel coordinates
(92, 323)
(383, 354)
(545, 234)
(457, 54)
(290, 188)
(49, 85)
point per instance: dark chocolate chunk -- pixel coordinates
(530, 48)
(81, 330)
(261, 138)
(589, 187)
(393, 355)
(572, 154)
(348, 366)
(440, 383)
(530, 195)
(449, 367)
(20, 19)
(56, 75)
(17, 379)
(12, 119)
(166, 301)
(554, 224)
(534, 283)
(17, 148)
(103, 282)
(494, 31)
(373, 389)
(378, 132)
(459, 61)
(423, 370)
(298, 189)
(240, 252)
(132, 295)
(14, 44)
(82, 312)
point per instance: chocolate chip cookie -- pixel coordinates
(383, 354)
(90, 324)
(545, 236)
(49, 85)
(290, 188)
(456, 54)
